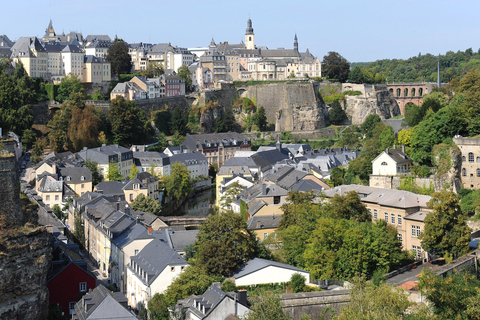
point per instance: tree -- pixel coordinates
(97, 95)
(184, 73)
(368, 301)
(455, 296)
(297, 283)
(356, 75)
(79, 230)
(129, 123)
(162, 120)
(349, 207)
(178, 122)
(446, 230)
(387, 138)
(226, 122)
(162, 141)
(146, 204)
(70, 84)
(224, 244)
(178, 184)
(96, 176)
(334, 66)
(229, 195)
(28, 138)
(405, 137)
(368, 126)
(266, 305)
(84, 128)
(154, 70)
(158, 308)
(58, 212)
(260, 119)
(133, 172)
(337, 175)
(336, 114)
(119, 58)
(113, 172)
(413, 115)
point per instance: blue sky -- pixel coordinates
(358, 30)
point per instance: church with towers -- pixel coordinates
(249, 61)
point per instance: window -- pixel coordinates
(478, 159)
(399, 220)
(463, 159)
(83, 286)
(414, 232)
(384, 163)
(56, 198)
(48, 198)
(417, 250)
(131, 197)
(83, 186)
(464, 172)
(136, 251)
(478, 172)
(276, 199)
(392, 218)
(470, 157)
(172, 269)
(400, 237)
(418, 231)
(374, 214)
(265, 235)
(71, 307)
(386, 217)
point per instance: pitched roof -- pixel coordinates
(111, 188)
(207, 140)
(154, 258)
(257, 264)
(76, 174)
(264, 222)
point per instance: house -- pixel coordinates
(213, 304)
(143, 183)
(262, 223)
(151, 271)
(96, 70)
(68, 276)
(217, 147)
(195, 162)
(30, 52)
(53, 192)
(470, 167)
(387, 164)
(129, 91)
(73, 61)
(97, 45)
(262, 271)
(106, 155)
(227, 181)
(111, 189)
(226, 173)
(146, 161)
(286, 177)
(174, 85)
(79, 179)
(402, 209)
(101, 303)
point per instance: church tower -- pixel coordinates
(249, 36)
(295, 43)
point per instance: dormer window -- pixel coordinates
(384, 163)
(82, 178)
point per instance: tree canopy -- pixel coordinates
(184, 73)
(146, 204)
(119, 58)
(334, 66)
(178, 184)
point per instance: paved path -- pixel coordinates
(410, 275)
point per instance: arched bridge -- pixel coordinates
(409, 92)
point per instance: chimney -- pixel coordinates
(242, 296)
(264, 188)
(386, 150)
(149, 229)
(403, 148)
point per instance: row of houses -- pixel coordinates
(140, 88)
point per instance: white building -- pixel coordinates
(391, 162)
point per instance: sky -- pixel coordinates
(361, 31)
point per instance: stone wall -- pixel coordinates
(291, 106)
(314, 304)
(10, 208)
(24, 263)
(41, 112)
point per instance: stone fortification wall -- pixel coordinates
(291, 106)
(24, 262)
(358, 108)
(315, 304)
(10, 208)
(41, 112)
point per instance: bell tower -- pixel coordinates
(249, 36)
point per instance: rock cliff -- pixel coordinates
(24, 253)
(358, 108)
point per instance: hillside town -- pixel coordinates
(232, 181)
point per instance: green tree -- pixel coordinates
(356, 75)
(58, 212)
(97, 95)
(38, 149)
(336, 114)
(178, 184)
(146, 204)
(113, 172)
(28, 138)
(455, 296)
(368, 302)
(228, 286)
(368, 126)
(387, 138)
(266, 305)
(119, 58)
(84, 127)
(224, 244)
(297, 283)
(178, 122)
(226, 122)
(128, 122)
(70, 84)
(158, 308)
(230, 194)
(260, 119)
(349, 207)
(154, 70)
(413, 114)
(446, 229)
(133, 172)
(337, 175)
(334, 66)
(96, 176)
(162, 120)
(184, 73)
(79, 231)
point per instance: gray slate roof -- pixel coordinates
(212, 140)
(111, 188)
(146, 158)
(257, 264)
(75, 174)
(264, 222)
(188, 158)
(154, 258)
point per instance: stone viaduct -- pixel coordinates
(409, 92)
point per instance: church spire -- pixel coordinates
(249, 36)
(295, 43)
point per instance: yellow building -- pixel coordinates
(96, 70)
(143, 183)
(104, 155)
(33, 56)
